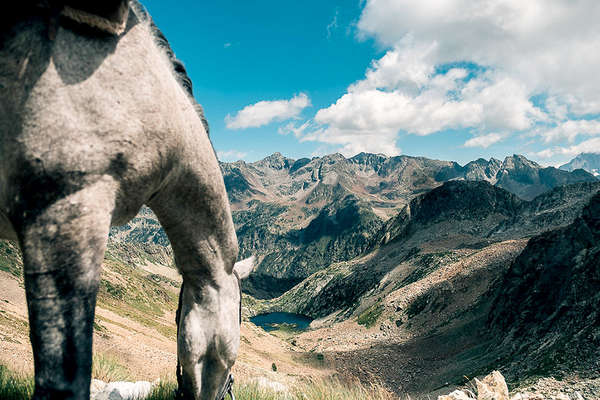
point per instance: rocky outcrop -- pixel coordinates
(493, 387)
(527, 179)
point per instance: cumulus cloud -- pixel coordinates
(476, 66)
(484, 141)
(569, 130)
(231, 155)
(265, 112)
(550, 45)
(587, 146)
(402, 92)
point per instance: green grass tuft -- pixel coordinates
(15, 386)
(369, 317)
(109, 369)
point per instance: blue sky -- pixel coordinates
(441, 79)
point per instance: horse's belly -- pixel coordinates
(102, 108)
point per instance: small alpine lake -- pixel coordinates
(281, 321)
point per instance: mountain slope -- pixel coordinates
(415, 310)
(586, 161)
(280, 204)
(444, 226)
(547, 309)
(299, 216)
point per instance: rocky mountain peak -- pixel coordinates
(333, 158)
(275, 161)
(463, 200)
(517, 161)
(589, 162)
(369, 159)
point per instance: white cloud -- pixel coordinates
(570, 130)
(231, 155)
(587, 146)
(333, 25)
(350, 143)
(297, 130)
(265, 112)
(484, 141)
(461, 64)
(549, 45)
(402, 93)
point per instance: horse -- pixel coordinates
(97, 118)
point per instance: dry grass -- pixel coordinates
(321, 389)
(107, 368)
(15, 386)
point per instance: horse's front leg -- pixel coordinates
(63, 246)
(195, 213)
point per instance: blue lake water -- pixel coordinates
(271, 321)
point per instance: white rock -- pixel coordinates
(520, 396)
(492, 387)
(125, 391)
(456, 395)
(96, 387)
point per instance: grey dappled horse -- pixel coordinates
(97, 119)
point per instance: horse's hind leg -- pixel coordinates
(63, 245)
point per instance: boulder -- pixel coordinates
(96, 387)
(456, 395)
(492, 387)
(125, 391)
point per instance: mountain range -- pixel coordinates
(299, 216)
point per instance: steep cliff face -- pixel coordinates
(547, 307)
(339, 231)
